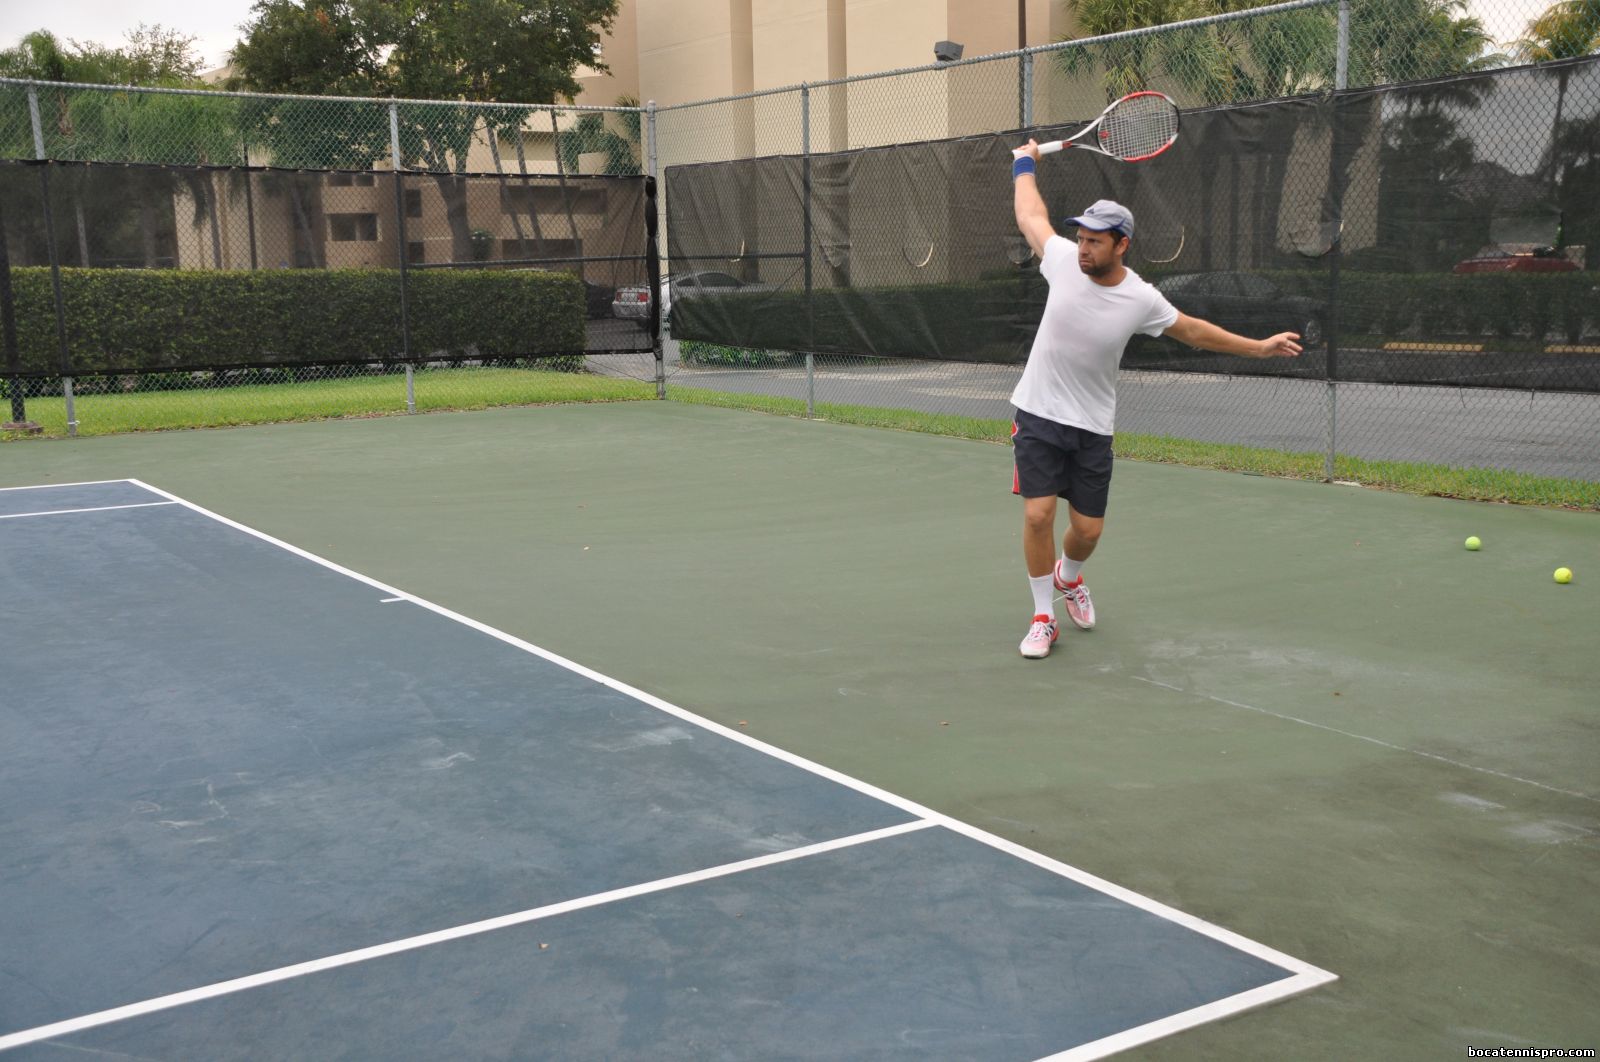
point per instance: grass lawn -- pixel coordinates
(479, 388)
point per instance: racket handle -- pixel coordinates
(1052, 147)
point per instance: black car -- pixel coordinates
(1245, 303)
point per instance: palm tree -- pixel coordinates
(1128, 65)
(1415, 40)
(1577, 146)
(38, 56)
(1567, 29)
(1279, 55)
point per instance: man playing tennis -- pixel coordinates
(1067, 397)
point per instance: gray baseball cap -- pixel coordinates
(1106, 214)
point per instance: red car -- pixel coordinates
(1543, 260)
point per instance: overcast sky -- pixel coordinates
(214, 23)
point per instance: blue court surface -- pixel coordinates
(260, 806)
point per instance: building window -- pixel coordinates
(351, 180)
(413, 202)
(353, 228)
(416, 251)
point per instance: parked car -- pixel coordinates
(1245, 303)
(633, 302)
(1539, 260)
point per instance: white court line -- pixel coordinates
(1305, 976)
(378, 951)
(85, 483)
(95, 509)
(1373, 741)
(1176, 1023)
(390, 600)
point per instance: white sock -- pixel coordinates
(1044, 596)
(1069, 570)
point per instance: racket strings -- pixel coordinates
(1139, 127)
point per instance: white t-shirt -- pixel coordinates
(1071, 375)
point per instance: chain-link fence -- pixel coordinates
(890, 204)
(1458, 413)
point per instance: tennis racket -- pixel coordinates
(1139, 126)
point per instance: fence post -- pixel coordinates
(805, 182)
(654, 255)
(1341, 73)
(55, 286)
(811, 385)
(8, 340)
(1341, 81)
(249, 202)
(400, 241)
(55, 264)
(1025, 90)
(38, 126)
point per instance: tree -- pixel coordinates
(38, 56)
(588, 135)
(1425, 219)
(1412, 40)
(481, 51)
(1566, 30)
(153, 55)
(1577, 153)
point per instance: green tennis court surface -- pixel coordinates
(1307, 716)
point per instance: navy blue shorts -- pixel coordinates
(1068, 462)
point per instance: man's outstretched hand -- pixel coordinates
(1282, 345)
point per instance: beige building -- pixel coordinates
(680, 51)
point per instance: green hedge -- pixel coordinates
(1551, 307)
(994, 319)
(138, 320)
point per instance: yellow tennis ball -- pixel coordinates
(1474, 543)
(1563, 575)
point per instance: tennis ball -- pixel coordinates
(1474, 543)
(1563, 575)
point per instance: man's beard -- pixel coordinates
(1092, 270)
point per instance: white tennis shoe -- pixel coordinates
(1041, 636)
(1080, 606)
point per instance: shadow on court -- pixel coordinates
(1307, 716)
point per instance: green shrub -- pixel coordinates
(154, 320)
